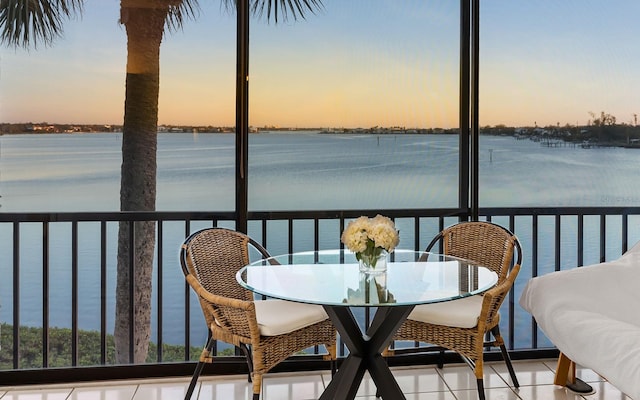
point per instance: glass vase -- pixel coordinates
(373, 264)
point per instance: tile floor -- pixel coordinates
(454, 382)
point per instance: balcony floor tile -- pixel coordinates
(453, 382)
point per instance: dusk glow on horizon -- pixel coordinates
(360, 63)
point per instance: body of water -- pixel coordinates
(287, 171)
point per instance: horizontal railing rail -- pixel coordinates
(58, 269)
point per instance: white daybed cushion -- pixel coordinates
(461, 313)
(277, 317)
(592, 315)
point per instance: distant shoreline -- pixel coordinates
(626, 136)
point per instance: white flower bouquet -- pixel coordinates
(369, 237)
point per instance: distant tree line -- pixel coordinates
(44, 127)
(602, 130)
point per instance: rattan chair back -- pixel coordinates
(490, 245)
(210, 259)
(215, 255)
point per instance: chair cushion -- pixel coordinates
(461, 313)
(277, 317)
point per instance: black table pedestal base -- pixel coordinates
(365, 352)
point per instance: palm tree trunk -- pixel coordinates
(144, 28)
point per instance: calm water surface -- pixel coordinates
(312, 171)
(287, 171)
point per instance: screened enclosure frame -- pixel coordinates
(469, 127)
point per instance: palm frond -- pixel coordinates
(25, 23)
(178, 13)
(280, 10)
(284, 9)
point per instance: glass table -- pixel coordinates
(331, 278)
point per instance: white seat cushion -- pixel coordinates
(277, 317)
(461, 313)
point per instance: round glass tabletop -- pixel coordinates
(332, 277)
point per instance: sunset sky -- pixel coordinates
(356, 63)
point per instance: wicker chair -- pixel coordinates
(267, 331)
(463, 325)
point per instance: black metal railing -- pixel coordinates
(60, 267)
